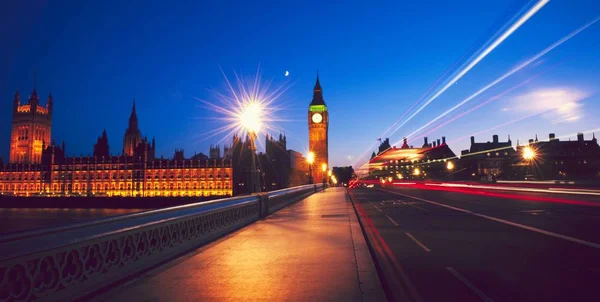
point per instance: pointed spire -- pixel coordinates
(133, 121)
(104, 133)
(317, 94)
(17, 101)
(318, 83)
(34, 93)
(536, 139)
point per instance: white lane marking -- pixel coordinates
(469, 284)
(392, 220)
(417, 207)
(532, 211)
(378, 209)
(419, 243)
(526, 227)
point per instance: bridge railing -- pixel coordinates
(72, 261)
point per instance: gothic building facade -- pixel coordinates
(432, 161)
(38, 168)
(557, 159)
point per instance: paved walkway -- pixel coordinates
(313, 250)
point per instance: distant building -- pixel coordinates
(49, 171)
(494, 159)
(431, 161)
(214, 152)
(556, 159)
(298, 169)
(31, 129)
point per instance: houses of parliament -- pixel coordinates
(38, 166)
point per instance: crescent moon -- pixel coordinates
(287, 73)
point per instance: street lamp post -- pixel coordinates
(529, 155)
(324, 172)
(253, 177)
(450, 168)
(310, 159)
(251, 121)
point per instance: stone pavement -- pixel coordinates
(312, 250)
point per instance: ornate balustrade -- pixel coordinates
(72, 261)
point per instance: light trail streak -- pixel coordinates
(496, 97)
(480, 57)
(511, 72)
(487, 50)
(372, 146)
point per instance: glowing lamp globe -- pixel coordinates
(310, 158)
(528, 153)
(251, 117)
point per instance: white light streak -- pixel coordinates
(511, 72)
(480, 57)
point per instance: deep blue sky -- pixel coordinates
(375, 60)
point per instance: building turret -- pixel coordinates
(405, 143)
(101, 148)
(50, 104)
(133, 120)
(31, 124)
(178, 155)
(17, 101)
(132, 136)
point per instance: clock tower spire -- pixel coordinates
(318, 133)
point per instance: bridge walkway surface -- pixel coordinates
(313, 250)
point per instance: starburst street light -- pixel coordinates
(310, 159)
(250, 117)
(249, 106)
(450, 166)
(246, 108)
(528, 153)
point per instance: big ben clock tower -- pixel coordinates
(318, 132)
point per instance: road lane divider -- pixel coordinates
(419, 243)
(392, 220)
(418, 207)
(469, 284)
(378, 209)
(397, 285)
(507, 222)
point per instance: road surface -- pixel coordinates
(457, 246)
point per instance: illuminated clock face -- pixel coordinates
(317, 118)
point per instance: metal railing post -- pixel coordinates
(263, 205)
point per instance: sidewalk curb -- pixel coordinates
(368, 275)
(395, 283)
